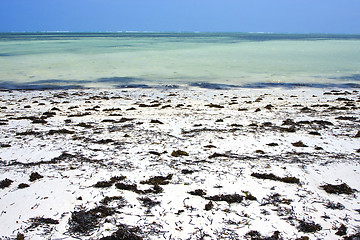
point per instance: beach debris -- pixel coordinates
(20, 236)
(5, 183)
(106, 200)
(342, 230)
(272, 144)
(271, 176)
(23, 185)
(197, 192)
(156, 121)
(35, 176)
(357, 134)
(187, 171)
(60, 131)
(308, 227)
(158, 180)
(334, 206)
(214, 105)
(124, 233)
(38, 221)
(338, 189)
(147, 202)
(103, 184)
(83, 222)
(229, 198)
(299, 144)
(209, 206)
(178, 153)
(255, 235)
(275, 199)
(249, 196)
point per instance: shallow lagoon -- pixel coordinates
(32, 60)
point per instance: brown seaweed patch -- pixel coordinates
(23, 185)
(299, 144)
(60, 131)
(147, 202)
(214, 105)
(338, 189)
(275, 199)
(158, 180)
(124, 233)
(198, 192)
(83, 222)
(179, 153)
(38, 221)
(271, 176)
(5, 183)
(103, 184)
(35, 176)
(341, 231)
(229, 198)
(255, 235)
(308, 227)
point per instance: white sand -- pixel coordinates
(190, 127)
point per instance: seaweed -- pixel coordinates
(341, 231)
(338, 189)
(103, 184)
(275, 199)
(214, 105)
(255, 235)
(355, 236)
(229, 198)
(334, 206)
(271, 176)
(299, 144)
(156, 121)
(129, 187)
(124, 233)
(60, 131)
(147, 202)
(179, 153)
(83, 222)
(308, 227)
(23, 185)
(5, 183)
(38, 221)
(34, 176)
(209, 206)
(158, 180)
(107, 200)
(197, 192)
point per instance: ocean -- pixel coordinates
(53, 60)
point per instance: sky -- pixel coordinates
(280, 16)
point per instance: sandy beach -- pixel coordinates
(186, 163)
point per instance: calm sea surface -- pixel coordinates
(52, 60)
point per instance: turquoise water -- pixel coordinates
(32, 60)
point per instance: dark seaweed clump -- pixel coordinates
(158, 180)
(229, 198)
(309, 227)
(5, 183)
(255, 235)
(124, 233)
(38, 221)
(197, 192)
(338, 189)
(34, 176)
(271, 176)
(105, 184)
(83, 222)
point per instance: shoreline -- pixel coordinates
(180, 163)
